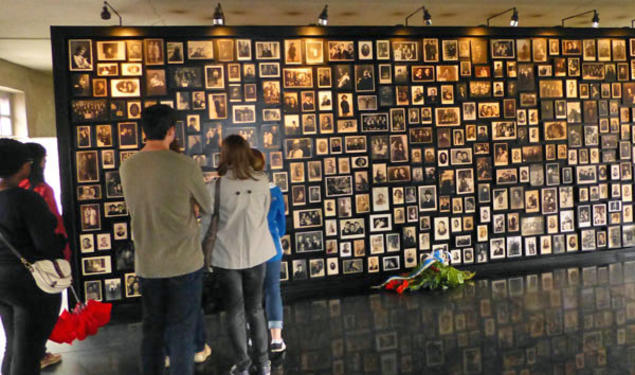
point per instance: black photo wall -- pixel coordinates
(493, 144)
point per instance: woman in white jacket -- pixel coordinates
(243, 246)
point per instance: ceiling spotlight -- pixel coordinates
(219, 17)
(595, 21)
(323, 19)
(427, 18)
(513, 20)
(105, 13)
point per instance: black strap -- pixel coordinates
(217, 198)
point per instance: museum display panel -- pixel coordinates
(496, 145)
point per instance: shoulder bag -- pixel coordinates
(210, 236)
(51, 276)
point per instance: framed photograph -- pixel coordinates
(96, 266)
(380, 222)
(80, 54)
(336, 186)
(92, 290)
(153, 50)
(306, 242)
(128, 87)
(447, 73)
(341, 50)
(112, 289)
(175, 52)
(555, 130)
(448, 116)
(225, 49)
(128, 136)
(87, 166)
(314, 51)
(214, 77)
(269, 50)
(298, 78)
(114, 209)
(586, 174)
(114, 50)
(243, 49)
(311, 218)
(405, 51)
(155, 82)
(383, 49)
(503, 48)
(293, 51)
(200, 49)
(244, 114)
(133, 285)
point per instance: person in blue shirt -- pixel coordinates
(278, 227)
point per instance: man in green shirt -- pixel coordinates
(161, 189)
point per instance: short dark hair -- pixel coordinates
(13, 155)
(156, 120)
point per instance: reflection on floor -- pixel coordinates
(569, 321)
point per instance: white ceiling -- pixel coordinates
(21, 20)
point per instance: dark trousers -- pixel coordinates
(170, 310)
(28, 316)
(200, 335)
(243, 298)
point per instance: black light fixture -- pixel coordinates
(219, 17)
(427, 18)
(513, 20)
(595, 21)
(323, 19)
(105, 13)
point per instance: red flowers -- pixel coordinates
(402, 287)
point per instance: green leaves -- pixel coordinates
(440, 276)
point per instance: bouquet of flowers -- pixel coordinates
(433, 273)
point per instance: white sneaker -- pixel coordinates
(203, 355)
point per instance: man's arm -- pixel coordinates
(200, 193)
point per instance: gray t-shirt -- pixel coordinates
(159, 188)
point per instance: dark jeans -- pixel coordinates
(200, 335)
(243, 296)
(28, 316)
(170, 309)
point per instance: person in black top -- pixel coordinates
(28, 314)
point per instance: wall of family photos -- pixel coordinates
(494, 145)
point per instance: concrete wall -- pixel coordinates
(34, 105)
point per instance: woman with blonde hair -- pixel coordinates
(243, 246)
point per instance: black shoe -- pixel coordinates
(264, 369)
(278, 347)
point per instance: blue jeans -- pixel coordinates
(200, 335)
(171, 307)
(273, 300)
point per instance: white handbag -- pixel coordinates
(51, 276)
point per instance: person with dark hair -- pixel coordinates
(161, 189)
(28, 314)
(277, 227)
(35, 182)
(243, 246)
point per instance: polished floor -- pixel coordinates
(568, 321)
